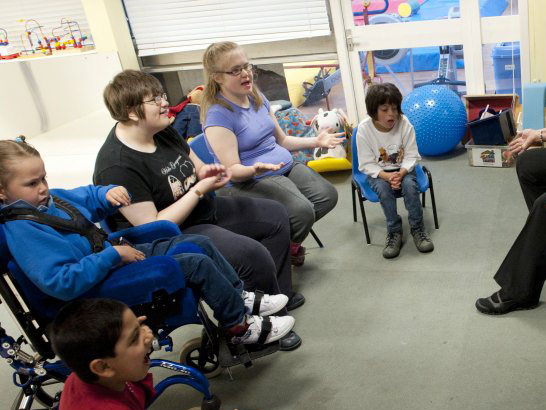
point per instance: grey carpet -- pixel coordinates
(397, 334)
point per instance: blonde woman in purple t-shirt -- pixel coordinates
(244, 136)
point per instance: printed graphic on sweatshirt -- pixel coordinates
(392, 156)
(181, 176)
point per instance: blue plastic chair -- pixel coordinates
(360, 184)
(33, 310)
(199, 145)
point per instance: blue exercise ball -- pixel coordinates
(438, 116)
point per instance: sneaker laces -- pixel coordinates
(390, 240)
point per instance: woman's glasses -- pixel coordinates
(249, 68)
(157, 99)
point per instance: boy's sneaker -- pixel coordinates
(393, 244)
(261, 304)
(423, 243)
(264, 330)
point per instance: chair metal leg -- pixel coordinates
(353, 189)
(364, 220)
(316, 238)
(423, 199)
(432, 199)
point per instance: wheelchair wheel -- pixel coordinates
(201, 357)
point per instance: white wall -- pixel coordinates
(38, 95)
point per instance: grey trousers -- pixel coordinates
(306, 195)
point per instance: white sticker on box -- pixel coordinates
(509, 67)
(489, 157)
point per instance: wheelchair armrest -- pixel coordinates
(148, 232)
(129, 282)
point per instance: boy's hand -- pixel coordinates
(129, 254)
(118, 196)
(327, 140)
(396, 178)
(148, 334)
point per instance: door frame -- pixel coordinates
(471, 30)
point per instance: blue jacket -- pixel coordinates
(61, 263)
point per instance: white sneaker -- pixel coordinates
(268, 305)
(280, 326)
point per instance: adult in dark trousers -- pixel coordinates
(167, 181)
(522, 273)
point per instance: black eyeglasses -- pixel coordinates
(157, 99)
(249, 68)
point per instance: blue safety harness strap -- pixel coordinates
(77, 222)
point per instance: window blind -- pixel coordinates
(48, 14)
(167, 26)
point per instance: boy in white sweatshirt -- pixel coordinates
(387, 154)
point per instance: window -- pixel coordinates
(172, 25)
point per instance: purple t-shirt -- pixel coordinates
(255, 134)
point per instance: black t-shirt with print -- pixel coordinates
(161, 177)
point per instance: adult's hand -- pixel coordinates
(261, 167)
(524, 139)
(210, 170)
(327, 139)
(214, 182)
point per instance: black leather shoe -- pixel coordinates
(490, 306)
(295, 301)
(290, 342)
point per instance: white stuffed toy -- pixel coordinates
(337, 121)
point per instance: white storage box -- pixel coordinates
(488, 155)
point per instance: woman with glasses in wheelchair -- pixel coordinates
(65, 264)
(245, 137)
(167, 181)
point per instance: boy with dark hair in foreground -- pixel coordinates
(107, 347)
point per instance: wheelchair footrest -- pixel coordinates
(230, 355)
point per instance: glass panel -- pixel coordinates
(501, 68)
(491, 8)
(409, 68)
(398, 11)
(313, 85)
